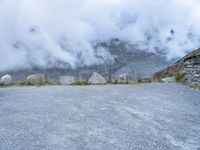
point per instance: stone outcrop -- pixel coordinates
(96, 79)
(6, 80)
(185, 70)
(66, 80)
(123, 79)
(37, 79)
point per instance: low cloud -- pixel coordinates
(44, 33)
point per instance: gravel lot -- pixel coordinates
(111, 117)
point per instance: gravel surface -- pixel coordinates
(113, 117)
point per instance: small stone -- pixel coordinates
(122, 78)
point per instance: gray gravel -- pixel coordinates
(120, 117)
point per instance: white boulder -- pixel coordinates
(169, 80)
(6, 80)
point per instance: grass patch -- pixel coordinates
(178, 76)
(174, 74)
(181, 78)
(1, 85)
(116, 82)
(80, 82)
(134, 82)
(15, 83)
(196, 87)
(53, 83)
(19, 83)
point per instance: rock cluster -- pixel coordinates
(41, 79)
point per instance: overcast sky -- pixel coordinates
(42, 32)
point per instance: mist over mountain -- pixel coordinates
(124, 58)
(69, 34)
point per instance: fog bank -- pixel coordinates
(45, 33)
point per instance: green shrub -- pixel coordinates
(181, 78)
(115, 82)
(195, 87)
(174, 74)
(1, 85)
(80, 82)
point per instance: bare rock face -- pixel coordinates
(6, 80)
(193, 75)
(37, 79)
(186, 70)
(169, 80)
(122, 78)
(66, 80)
(96, 79)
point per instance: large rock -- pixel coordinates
(6, 80)
(122, 78)
(96, 79)
(66, 80)
(37, 79)
(169, 80)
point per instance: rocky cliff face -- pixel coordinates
(126, 59)
(186, 69)
(192, 68)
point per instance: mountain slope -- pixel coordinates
(126, 59)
